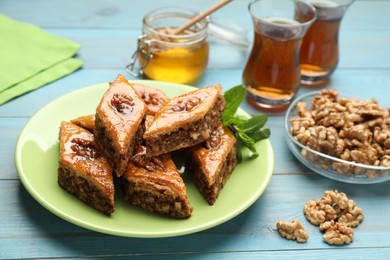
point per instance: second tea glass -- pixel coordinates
(320, 46)
(272, 73)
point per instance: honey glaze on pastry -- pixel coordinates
(185, 120)
(87, 122)
(211, 163)
(154, 184)
(83, 171)
(119, 123)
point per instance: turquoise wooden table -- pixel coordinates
(107, 32)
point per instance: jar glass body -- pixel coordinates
(178, 58)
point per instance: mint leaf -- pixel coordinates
(253, 127)
(254, 123)
(247, 131)
(234, 121)
(233, 98)
(248, 142)
(239, 147)
(263, 133)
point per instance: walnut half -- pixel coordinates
(292, 230)
(314, 213)
(336, 233)
(352, 215)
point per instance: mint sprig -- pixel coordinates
(247, 131)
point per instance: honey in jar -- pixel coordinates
(163, 56)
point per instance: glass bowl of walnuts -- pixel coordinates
(342, 138)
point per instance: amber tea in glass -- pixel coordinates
(320, 46)
(272, 72)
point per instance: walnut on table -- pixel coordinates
(314, 213)
(292, 230)
(336, 233)
(352, 215)
(331, 206)
(335, 198)
(336, 215)
(336, 206)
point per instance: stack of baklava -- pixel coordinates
(133, 134)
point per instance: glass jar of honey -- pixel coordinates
(163, 56)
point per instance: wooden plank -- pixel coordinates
(26, 224)
(362, 15)
(340, 253)
(9, 132)
(101, 49)
(110, 48)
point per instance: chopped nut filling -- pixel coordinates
(192, 134)
(211, 191)
(117, 160)
(156, 198)
(84, 191)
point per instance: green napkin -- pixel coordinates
(31, 58)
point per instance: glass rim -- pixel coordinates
(304, 24)
(170, 11)
(342, 3)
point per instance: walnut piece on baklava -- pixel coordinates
(119, 123)
(154, 184)
(153, 98)
(185, 120)
(83, 171)
(211, 163)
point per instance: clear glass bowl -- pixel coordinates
(328, 166)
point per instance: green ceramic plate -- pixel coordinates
(36, 157)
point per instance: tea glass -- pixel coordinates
(320, 46)
(272, 73)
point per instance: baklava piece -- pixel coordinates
(185, 120)
(211, 163)
(86, 122)
(119, 123)
(153, 98)
(154, 184)
(83, 171)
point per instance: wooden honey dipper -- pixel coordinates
(199, 17)
(169, 31)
